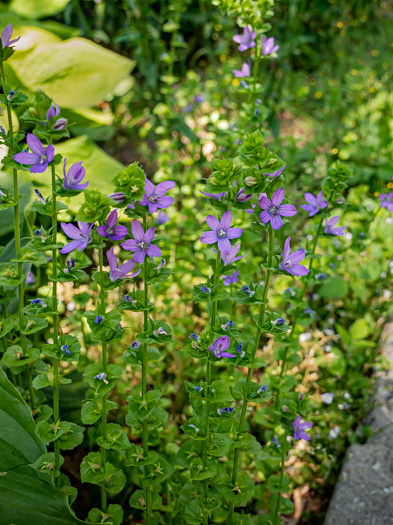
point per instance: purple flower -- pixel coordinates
(387, 200)
(141, 243)
(53, 111)
(274, 210)
(123, 270)
(74, 177)
(111, 230)
(219, 346)
(6, 34)
(299, 428)
(268, 46)
(80, 234)
(217, 196)
(30, 279)
(162, 218)
(241, 196)
(155, 197)
(275, 174)
(330, 229)
(230, 257)
(290, 261)
(118, 197)
(189, 107)
(228, 410)
(243, 72)
(315, 204)
(276, 442)
(231, 279)
(40, 157)
(251, 210)
(39, 195)
(246, 40)
(198, 99)
(222, 232)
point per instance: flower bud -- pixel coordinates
(250, 181)
(213, 181)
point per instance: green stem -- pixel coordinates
(258, 334)
(283, 453)
(252, 96)
(205, 443)
(18, 247)
(56, 362)
(104, 364)
(145, 439)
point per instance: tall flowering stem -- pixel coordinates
(18, 248)
(237, 458)
(145, 438)
(101, 310)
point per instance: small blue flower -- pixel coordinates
(39, 195)
(276, 442)
(99, 319)
(135, 345)
(239, 349)
(248, 290)
(205, 289)
(65, 349)
(244, 84)
(320, 276)
(128, 299)
(10, 95)
(198, 388)
(262, 388)
(309, 311)
(195, 337)
(256, 112)
(101, 376)
(290, 291)
(39, 234)
(227, 325)
(160, 331)
(228, 410)
(280, 321)
(38, 301)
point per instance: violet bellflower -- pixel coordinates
(241, 196)
(81, 236)
(219, 347)
(6, 35)
(53, 111)
(299, 427)
(245, 71)
(141, 243)
(119, 197)
(74, 177)
(245, 40)
(123, 270)
(112, 230)
(216, 196)
(268, 46)
(230, 257)
(330, 226)
(162, 218)
(290, 261)
(231, 278)
(315, 204)
(222, 232)
(274, 210)
(40, 156)
(155, 197)
(387, 200)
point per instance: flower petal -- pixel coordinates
(153, 251)
(137, 231)
(119, 232)
(278, 196)
(209, 237)
(163, 187)
(27, 158)
(276, 222)
(35, 144)
(224, 245)
(234, 233)
(71, 246)
(287, 210)
(226, 220)
(212, 222)
(149, 235)
(71, 231)
(130, 245)
(265, 217)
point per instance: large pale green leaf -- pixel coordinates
(18, 442)
(26, 500)
(74, 72)
(38, 8)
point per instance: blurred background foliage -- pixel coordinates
(126, 74)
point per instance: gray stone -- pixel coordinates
(364, 492)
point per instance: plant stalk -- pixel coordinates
(104, 397)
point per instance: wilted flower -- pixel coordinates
(123, 270)
(141, 244)
(222, 232)
(38, 301)
(262, 388)
(299, 428)
(274, 210)
(40, 157)
(245, 40)
(205, 289)
(290, 261)
(320, 276)
(268, 46)
(239, 350)
(330, 226)
(231, 279)
(80, 234)
(228, 410)
(280, 321)
(155, 197)
(102, 377)
(99, 319)
(65, 349)
(160, 331)
(112, 230)
(74, 177)
(275, 174)
(243, 72)
(39, 233)
(135, 345)
(315, 204)
(6, 35)
(195, 337)
(248, 290)
(70, 265)
(219, 347)
(227, 325)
